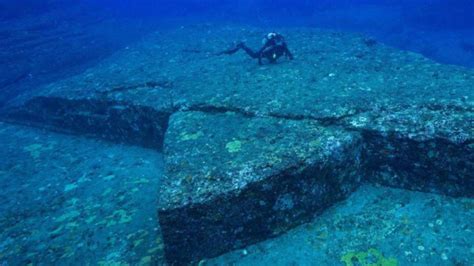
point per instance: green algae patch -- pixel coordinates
(106, 192)
(139, 181)
(36, 149)
(70, 187)
(315, 143)
(73, 201)
(118, 217)
(372, 257)
(90, 219)
(71, 225)
(112, 263)
(186, 137)
(108, 178)
(234, 146)
(56, 231)
(145, 260)
(68, 216)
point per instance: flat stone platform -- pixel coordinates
(251, 151)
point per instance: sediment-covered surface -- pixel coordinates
(375, 225)
(230, 127)
(68, 200)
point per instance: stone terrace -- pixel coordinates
(251, 151)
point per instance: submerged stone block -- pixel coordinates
(435, 165)
(233, 180)
(423, 147)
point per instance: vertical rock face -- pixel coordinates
(234, 180)
(420, 147)
(437, 166)
(251, 151)
(115, 121)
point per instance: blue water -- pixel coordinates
(442, 30)
(48, 180)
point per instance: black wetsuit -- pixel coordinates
(272, 49)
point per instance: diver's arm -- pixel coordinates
(260, 53)
(288, 53)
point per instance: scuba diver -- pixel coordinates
(274, 46)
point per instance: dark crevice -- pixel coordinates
(162, 84)
(324, 121)
(212, 109)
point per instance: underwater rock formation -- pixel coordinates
(250, 150)
(235, 180)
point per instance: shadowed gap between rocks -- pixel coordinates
(161, 84)
(324, 121)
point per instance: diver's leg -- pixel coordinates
(249, 51)
(229, 51)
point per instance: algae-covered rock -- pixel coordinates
(368, 258)
(247, 179)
